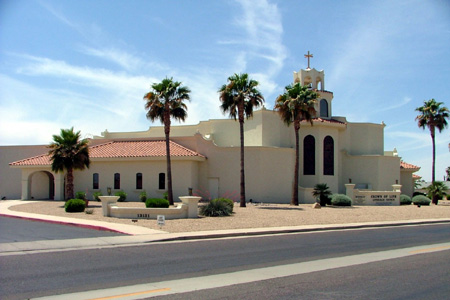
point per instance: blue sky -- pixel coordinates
(88, 64)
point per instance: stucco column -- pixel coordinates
(106, 201)
(192, 203)
(25, 189)
(59, 186)
(349, 190)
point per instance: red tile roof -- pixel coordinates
(120, 149)
(407, 166)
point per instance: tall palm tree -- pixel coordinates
(68, 153)
(239, 97)
(295, 105)
(166, 100)
(432, 115)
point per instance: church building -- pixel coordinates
(206, 158)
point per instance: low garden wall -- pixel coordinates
(188, 208)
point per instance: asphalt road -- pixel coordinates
(22, 230)
(410, 278)
(32, 275)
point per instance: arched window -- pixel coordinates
(309, 155)
(117, 181)
(139, 181)
(324, 108)
(95, 181)
(328, 156)
(162, 181)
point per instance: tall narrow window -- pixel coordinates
(162, 181)
(139, 181)
(95, 181)
(328, 156)
(324, 108)
(309, 155)
(117, 181)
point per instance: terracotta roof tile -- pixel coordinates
(404, 165)
(118, 149)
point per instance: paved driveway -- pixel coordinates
(22, 230)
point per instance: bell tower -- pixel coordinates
(316, 81)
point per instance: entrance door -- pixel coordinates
(213, 187)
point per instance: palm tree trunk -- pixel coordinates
(434, 199)
(294, 200)
(241, 130)
(69, 186)
(169, 165)
(434, 155)
(242, 204)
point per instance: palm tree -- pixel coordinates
(433, 116)
(69, 153)
(294, 106)
(322, 193)
(239, 97)
(436, 191)
(166, 100)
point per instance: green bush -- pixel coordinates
(156, 203)
(421, 200)
(122, 196)
(341, 200)
(80, 195)
(75, 205)
(216, 208)
(405, 199)
(96, 195)
(229, 202)
(166, 195)
(143, 196)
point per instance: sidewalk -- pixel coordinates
(138, 235)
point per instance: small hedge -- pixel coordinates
(75, 205)
(421, 200)
(143, 196)
(405, 199)
(217, 208)
(341, 200)
(80, 195)
(229, 202)
(156, 203)
(96, 195)
(122, 196)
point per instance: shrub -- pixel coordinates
(122, 196)
(156, 203)
(96, 195)
(80, 195)
(421, 200)
(229, 202)
(341, 200)
(322, 193)
(143, 196)
(405, 199)
(75, 205)
(166, 195)
(216, 208)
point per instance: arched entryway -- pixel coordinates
(41, 185)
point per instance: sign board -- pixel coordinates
(376, 198)
(161, 219)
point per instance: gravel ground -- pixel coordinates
(256, 216)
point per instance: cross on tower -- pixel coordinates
(308, 56)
